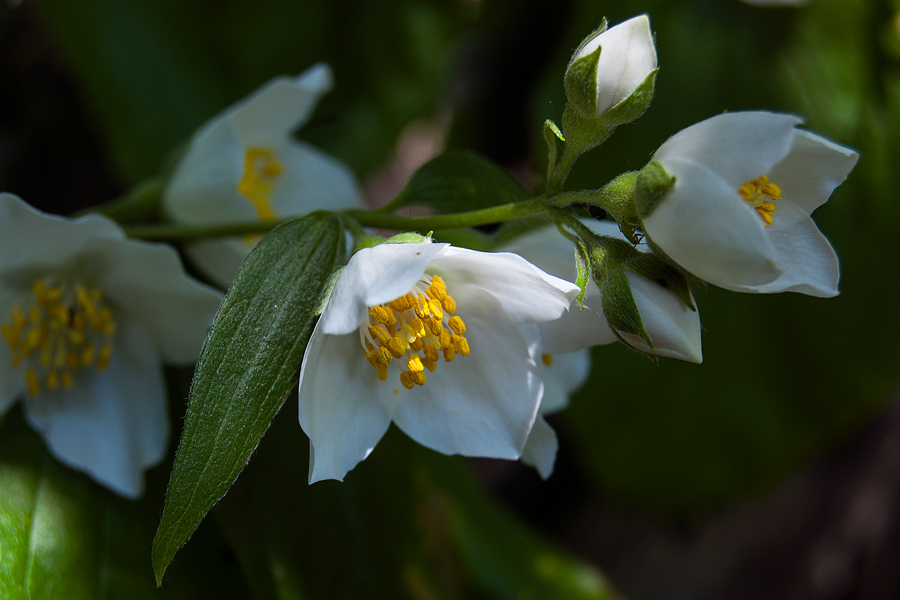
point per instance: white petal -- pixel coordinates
(738, 146)
(279, 106)
(809, 263)
(145, 283)
(483, 404)
(219, 259)
(540, 451)
(113, 424)
(203, 189)
(341, 406)
(31, 239)
(814, 167)
(548, 250)
(312, 180)
(674, 328)
(707, 228)
(374, 276)
(527, 293)
(566, 375)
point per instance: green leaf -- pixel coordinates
(457, 182)
(246, 369)
(62, 536)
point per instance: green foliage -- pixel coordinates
(246, 369)
(407, 523)
(61, 536)
(458, 182)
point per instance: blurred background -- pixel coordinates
(772, 470)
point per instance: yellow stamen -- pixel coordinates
(417, 329)
(261, 170)
(547, 359)
(58, 338)
(758, 193)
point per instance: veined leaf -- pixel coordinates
(246, 369)
(457, 182)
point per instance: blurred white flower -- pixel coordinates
(439, 340)
(244, 165)
(737, 215)
(87, 319)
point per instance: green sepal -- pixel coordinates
(616, 198)
(580, 83)
(458, 182)
(247, 367)
(635, 105)
(552, 135)
(652, 185)
(582, 264)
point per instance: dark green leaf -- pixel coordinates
(246, 369)
(61, 536)
(457, 182)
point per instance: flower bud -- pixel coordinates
(612, 72)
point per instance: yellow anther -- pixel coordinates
(419, 378)
(407, 380)
(397, 346)
(382, 372)
(10, 335)
(379, 333)
(462, 346)
(431, 365)
(32, 382)
(418, 328)
(104, 356)
(421, 307)
(449, 353)
(416, 345)
(17, 317)
(430, 352)
(384, 355)
(414, 363)
(449, 304)
(445, 338)
(457, 325)
(435, 326)
(67, 380)
(380, 314)
(87, 355)
(401, 304)
(547, 359)
(34, 314)
(52, 380)
(438, 289)
(437, 312)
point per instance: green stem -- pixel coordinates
(379, 220)
(141, 203)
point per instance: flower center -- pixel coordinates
(416, 330)
(758, 193)
(66, 329)
(261, 170)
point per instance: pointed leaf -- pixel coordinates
(246, 369)
(457, 182)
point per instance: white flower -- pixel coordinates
(440, 340)
(738, 213)
(627, 58)
(673, 328)
(87, 317)
(244, 165)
